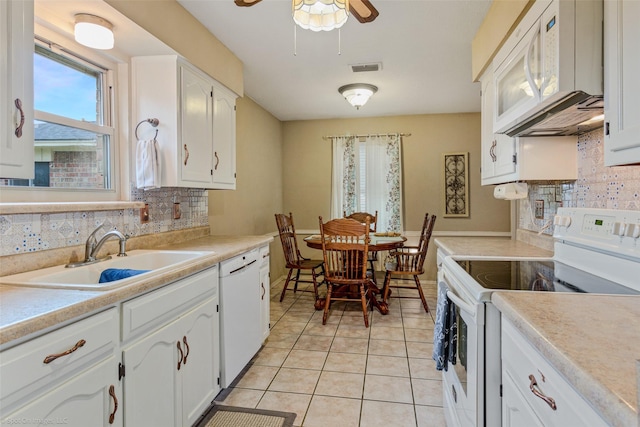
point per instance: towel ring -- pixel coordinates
(153, 122)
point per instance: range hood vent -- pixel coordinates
(572, 114)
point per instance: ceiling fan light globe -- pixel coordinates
(320, 15)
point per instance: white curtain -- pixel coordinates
(367, 177)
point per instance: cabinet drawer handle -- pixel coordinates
(533, 386)
(184, 340)
(181, 355)
(18, 104)
(186, 154)
(112, 393)
(215, 153)
(263, 291)
(53, 357)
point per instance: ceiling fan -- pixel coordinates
(363, 10)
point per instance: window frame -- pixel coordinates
(115, 111)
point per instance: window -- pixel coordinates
(73, 130)
(367, 177)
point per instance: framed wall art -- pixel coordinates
(456, 184)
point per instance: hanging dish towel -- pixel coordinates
(445, 332)
(147, 165)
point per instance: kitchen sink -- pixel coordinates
(87, 276)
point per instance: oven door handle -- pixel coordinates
(463, 305)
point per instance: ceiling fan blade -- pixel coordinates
(246, 3)
(363, 10)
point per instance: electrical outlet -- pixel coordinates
(539, 214)
(177, 213)
(144, 214)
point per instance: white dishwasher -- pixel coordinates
(240, 331)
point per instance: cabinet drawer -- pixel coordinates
(23, 369)
(520, 360)
(264, 255)
(150, 311)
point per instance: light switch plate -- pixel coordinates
(144, 214)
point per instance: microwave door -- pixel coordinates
(532, 65)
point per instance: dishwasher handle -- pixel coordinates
(242, 268)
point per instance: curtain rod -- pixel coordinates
(366, 135)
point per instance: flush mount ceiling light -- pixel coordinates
(357, 93)
(320, 15)
(93, 31)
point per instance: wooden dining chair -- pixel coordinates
(295, 261)
(410, 262)
(345, 243)
(361, 217)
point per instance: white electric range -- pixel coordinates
(595, 251)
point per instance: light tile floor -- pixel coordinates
(342, 374)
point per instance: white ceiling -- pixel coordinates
(424, 47)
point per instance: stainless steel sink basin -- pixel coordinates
(87, 277)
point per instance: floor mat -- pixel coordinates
(232, 416)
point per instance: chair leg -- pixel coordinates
(385, 288)
(424, 301)
(327, 303)
(286, 284)
(365, 308)
(295, 287)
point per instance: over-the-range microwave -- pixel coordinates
(548, 77)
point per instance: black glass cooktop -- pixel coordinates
(549, 276)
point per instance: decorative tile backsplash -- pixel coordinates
(597, 186)
(35, 232)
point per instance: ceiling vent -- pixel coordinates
(360, 68)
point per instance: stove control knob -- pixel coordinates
(633, 230)
(619, 228)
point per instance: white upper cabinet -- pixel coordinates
(224, 138)
(622, 84)
(507, 159)
(16, 89)
(196, 134)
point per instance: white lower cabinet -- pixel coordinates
(534, 393)
(172, 374)
(92, 398)
(169, 376)
(265, 292)
(68, 376)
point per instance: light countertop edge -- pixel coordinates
(489, 247)
(27, 311)
(595, 349)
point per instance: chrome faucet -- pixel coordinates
(92, 246)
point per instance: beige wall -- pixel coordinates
(258, 195)
(307, 171)
(172, 24)
(307, 168)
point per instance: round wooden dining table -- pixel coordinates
(378, 242)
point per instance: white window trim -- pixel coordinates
(118, 79)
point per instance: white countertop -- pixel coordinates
(25, 311)
(592, 340)
(489, 246)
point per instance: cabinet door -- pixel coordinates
(87, 400)
(16, 89)
(504, 152)
(516, 412)
(151, 380)
(200, 373)
(622, 85)
(224, 139)
(265, 300)
(196, 128)
(486, 111)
